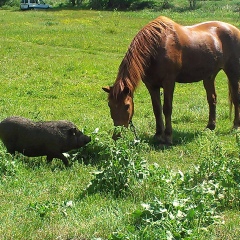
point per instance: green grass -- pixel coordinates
(53, 65)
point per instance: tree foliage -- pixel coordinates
(111, 4)
(192, 4)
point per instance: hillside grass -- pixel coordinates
(53, 65)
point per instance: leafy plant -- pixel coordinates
(181, 213)
(8, 165)
(188, 203)
(218, 170)
(44, 209)
(123, 167)
(238, 141)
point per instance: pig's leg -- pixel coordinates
(49, 158)
(60, 156)
(10, 147)
(64, 159)
(11, 151)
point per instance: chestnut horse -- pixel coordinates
(163, 53)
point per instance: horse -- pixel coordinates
(165, 52)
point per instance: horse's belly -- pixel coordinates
(194, 76)
(199, 72)
(188, 80)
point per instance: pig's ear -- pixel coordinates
(106, 89)
(73, 131)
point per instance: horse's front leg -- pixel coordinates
(235, 95)
(157, 109)
(167, 110)
(209, 85)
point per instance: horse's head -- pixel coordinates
(121, 108)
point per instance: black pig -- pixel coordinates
(33, 139)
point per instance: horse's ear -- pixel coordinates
(106, 89)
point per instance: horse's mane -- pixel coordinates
(143, 46)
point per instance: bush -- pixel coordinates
(111, 4)
(97, 4)
(139, 5)
(10, 3)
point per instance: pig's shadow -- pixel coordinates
(88, 155)
(38, 162)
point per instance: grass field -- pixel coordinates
(53, 66)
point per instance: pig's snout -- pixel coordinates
(83, 140)
(87, 139)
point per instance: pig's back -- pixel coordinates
(23, 135)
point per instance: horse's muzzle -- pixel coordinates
(117, 132)
(116, 136)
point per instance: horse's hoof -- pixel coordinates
(236, 127)
(162, 139)
(159, 138)
(168, 140)
(211, 126)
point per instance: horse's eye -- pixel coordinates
(127, 106)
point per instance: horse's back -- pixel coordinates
(227, 34)
(229, 37)
(206, 48)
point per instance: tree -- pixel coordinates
(73, 2)
(110, 4)
(192, 3)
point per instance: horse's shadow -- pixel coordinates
(93, 154)
(179, 138)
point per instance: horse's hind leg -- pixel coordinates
(209, 85)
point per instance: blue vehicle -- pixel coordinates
(33, 4)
